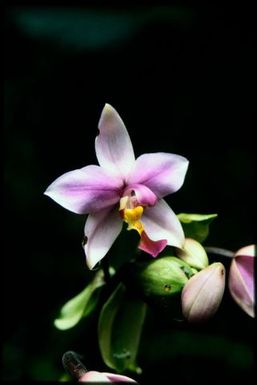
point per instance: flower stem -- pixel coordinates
(219, 251)
(105, 266)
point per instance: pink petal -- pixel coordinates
(85, 190)
(143, 195)
(250, 251)
(113, 146)
(151, 247)
(161, 223)
(161, 172)
(241, 286)
(101, 230)
(245, 265)
(93, 376)
(118, 378)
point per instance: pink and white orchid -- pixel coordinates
(121, 189)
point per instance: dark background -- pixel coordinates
(183, 80)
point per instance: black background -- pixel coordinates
(183, 79)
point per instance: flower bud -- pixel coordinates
(203, 293)
(241, 279)
(194, 254)
(102, 377)
(163, 277)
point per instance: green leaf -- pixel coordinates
(81, 305)
(64, 378)
(119, 330)
(196, 226)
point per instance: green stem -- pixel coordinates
(219, 251)
(105, 266)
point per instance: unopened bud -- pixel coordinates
(241, 279)
(194, 254)
(203, 293)
(103, 377)
(163, 277)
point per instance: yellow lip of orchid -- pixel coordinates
(132, 218)
(131, 215)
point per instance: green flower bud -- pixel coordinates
(162, 277)
(202, 294)
(194, 254)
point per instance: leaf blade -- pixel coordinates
(196, 226)
(119, 330)
(81, 305)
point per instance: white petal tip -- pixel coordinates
(90, 267)
(108, 109)
(47, 192)
(179, 242)
(107, 115)
(90, 263)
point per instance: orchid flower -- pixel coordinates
(123, 188)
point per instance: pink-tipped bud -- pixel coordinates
(241, 279)
(102, 377)
(202, 294)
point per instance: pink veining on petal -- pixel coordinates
(85, 190)
(113, 146)
(151, 247)
(161, 172)
(239, 290)
(245, 265)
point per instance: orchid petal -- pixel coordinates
(241, 279)
(113, 146)
(239, 290)
(249, 251)
(85, 190)
(161, 172)
(245, 263)
(151, 247)
(143, 195)
(245, 266)
(94, 376)
(161, 223)
(118, 377)
(101, 230)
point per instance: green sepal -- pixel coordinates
(81, 305)
(196, 226)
